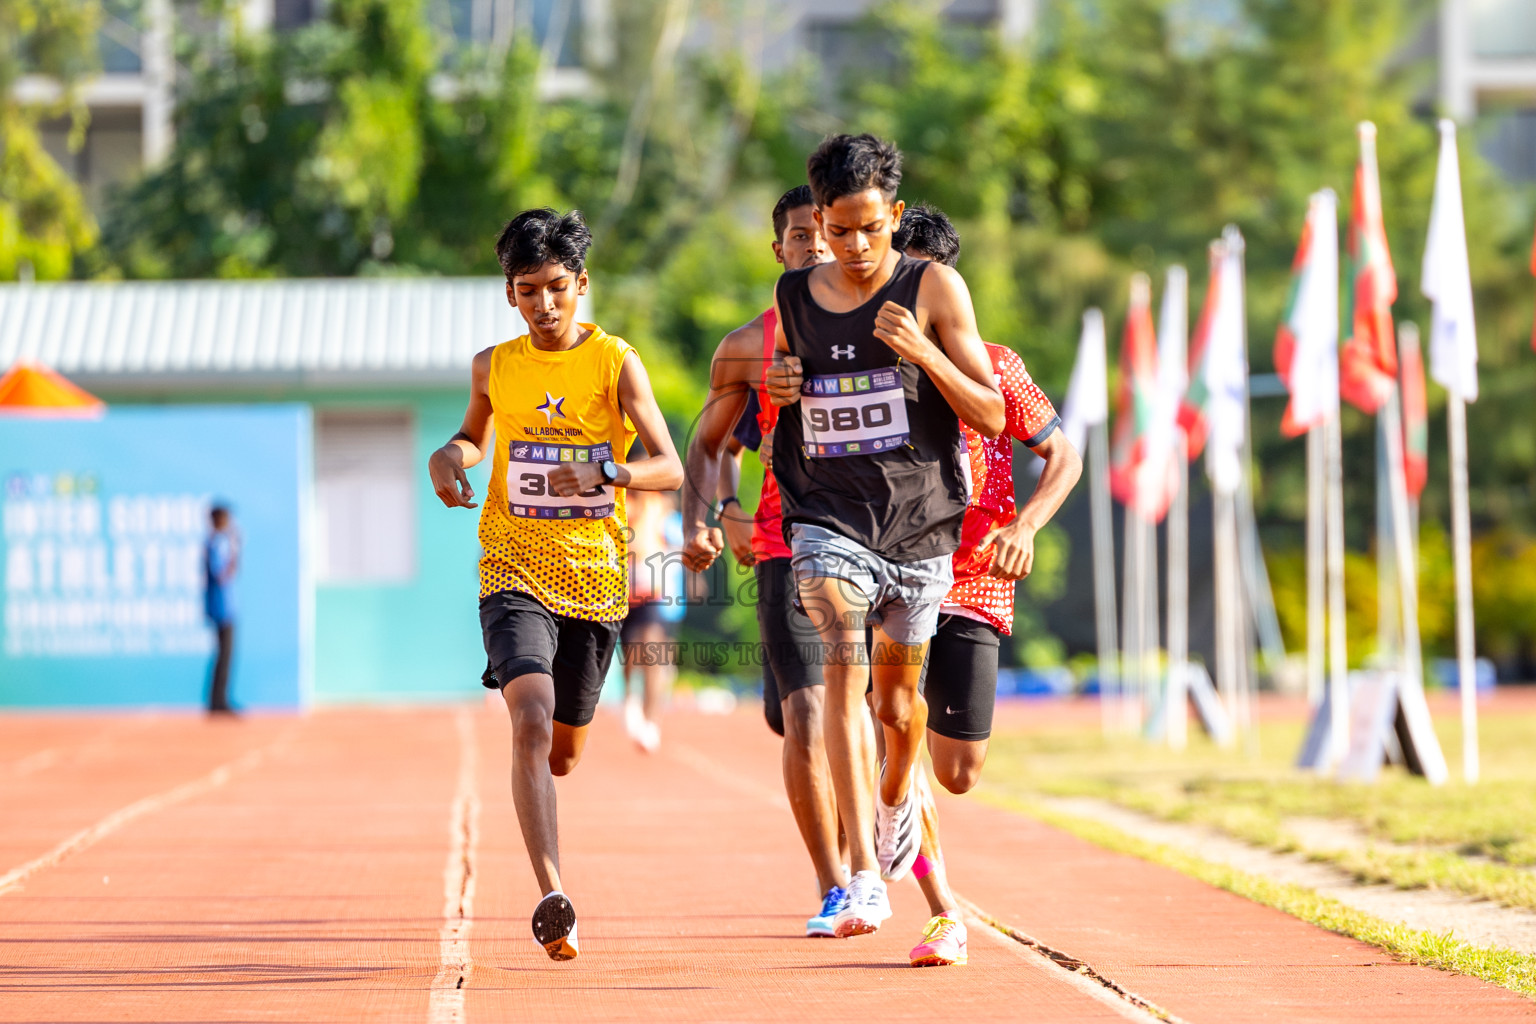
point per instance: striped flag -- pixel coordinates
(1368, 361)
(1192, 411)
(1415, 418)
(1307, 344)
(1225, 370)
(1447, 280)
(1135, 410)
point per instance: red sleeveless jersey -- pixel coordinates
(767, 521)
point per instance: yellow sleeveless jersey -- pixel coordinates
(552, 408)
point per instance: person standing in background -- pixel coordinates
(221, 562)
(656, 606)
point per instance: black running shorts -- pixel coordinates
(961, 689)
(523, 637)
(791, 645)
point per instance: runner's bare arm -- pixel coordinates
(446, 466)
(1015, 542)
(736, 521)
(661, 469)
(732, 372)
(784, 376)
(960, 368)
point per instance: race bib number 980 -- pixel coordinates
(853, 413)
(529, 495)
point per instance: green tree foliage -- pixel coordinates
(1120, 136)
(44, 222)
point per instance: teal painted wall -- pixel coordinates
(412, 641)
(417, 640)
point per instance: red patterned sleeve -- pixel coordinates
(1031, 416)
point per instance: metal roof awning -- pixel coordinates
(234, 335)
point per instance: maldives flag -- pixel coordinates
(1368, 361)
(1415, 417)
(1307, 344)
(1135, 409)
(1193, 416)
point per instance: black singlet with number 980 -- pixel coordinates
(873, 451)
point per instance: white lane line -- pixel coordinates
(93, 834)
(1075, 973)
(446, 1004)
(35, 762)
(50, 756)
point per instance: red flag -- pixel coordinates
(1368, 360)
(1135, 407)
(1192, 411)
(1415, 417)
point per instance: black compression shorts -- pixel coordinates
(523, 637)
(791, 645)
(960, 678)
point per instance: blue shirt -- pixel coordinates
(218, 598)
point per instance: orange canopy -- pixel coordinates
(28, 389)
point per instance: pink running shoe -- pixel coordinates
(943, 944)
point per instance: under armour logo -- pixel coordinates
(842, 352)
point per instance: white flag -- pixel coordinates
(1447, 280)
(1313, 319)
(1087, 401)
(1226, 372)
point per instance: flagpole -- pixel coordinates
(1408, 522)
(1130, 626)
(1447, 282)
(1411, 690)
(1175, 709)
(1222, 564)
(1102, 514)
(1338, 649)
(1316, 596)
(1461, 545)
(1151, 633)
(1388, 622)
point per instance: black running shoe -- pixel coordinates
(554, 926)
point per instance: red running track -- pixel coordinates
(364, 864)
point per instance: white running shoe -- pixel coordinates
(867, 907)
(898, 832)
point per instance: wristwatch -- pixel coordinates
(610, 471)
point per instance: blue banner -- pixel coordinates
(105, 524)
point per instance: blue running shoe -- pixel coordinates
(823, 925)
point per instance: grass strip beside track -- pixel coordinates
(1475, 840)
(1502, 967)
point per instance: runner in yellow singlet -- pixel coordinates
(558, 407)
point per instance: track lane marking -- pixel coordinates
(446, 1003)
(1075, 973)
(93, 834)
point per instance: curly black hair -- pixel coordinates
(845, 165)
(536, 237)
(926, 229)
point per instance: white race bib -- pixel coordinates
(858, 413)
(528, 492)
